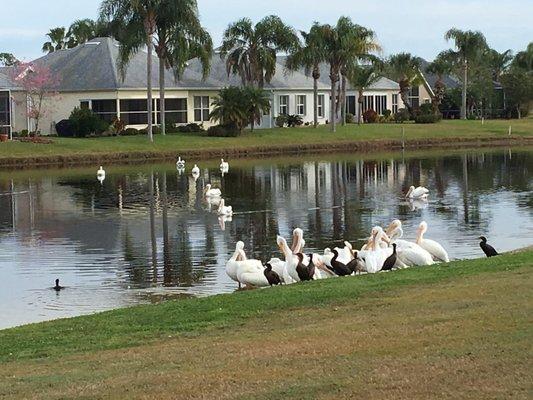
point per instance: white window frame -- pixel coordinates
(321, 100)
(301, 107)
(204, 107)
(380, 101)
(284, 105)
(394, 103)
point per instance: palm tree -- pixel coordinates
(524, 59)
(361, 77)
(404, 69)
(229, 107)
(57, 40)
(180, 38)
(258, 103)
(81, 31)
(345, 43)
(135, 23)
(250, 51)
(440, 66)
(499, 62)
(469, 45)
(309, 56)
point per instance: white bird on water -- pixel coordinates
(224, 165)
(419, 192)
(211, 192)
(100, 174)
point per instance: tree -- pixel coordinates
(498, 62)
(345, 43)
(81, 31)
(179, 38)
(39, 83)
(518, 86)
(440, 66)
(250, 51)
(8, 59)
(405, 69)
(469, 45)
(309, 56)
(230, 107)
(524, 59)
(134, 23)
(257, 102)
(361, 77)
(57, 40)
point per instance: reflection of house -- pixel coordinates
(89, 77)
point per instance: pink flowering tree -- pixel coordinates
(40, 84)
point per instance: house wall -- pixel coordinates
(387, 92)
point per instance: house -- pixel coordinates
(89, 77)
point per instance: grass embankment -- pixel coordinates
(268, 141)
(452, 331)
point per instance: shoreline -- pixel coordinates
(340, 146)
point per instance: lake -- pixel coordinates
(146, 233)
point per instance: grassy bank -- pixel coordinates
(454, 331)
(65, 150)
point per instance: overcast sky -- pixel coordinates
(415, 26)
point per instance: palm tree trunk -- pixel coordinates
(465, 78)
(315, 102)
(343, 99)
(162, 108)
(333, 105)
(149, 46)
(360, 102)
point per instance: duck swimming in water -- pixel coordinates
(58, 287)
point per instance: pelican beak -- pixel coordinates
(294, 246)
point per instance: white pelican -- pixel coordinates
(195, 170)
(238, 263)
(409, 253)
(432, 247)
(374, 256)
(224, 210)
(180, 164)
(321, 270)
(417, 193)
(224, 165)
(100, 173)
(291, 260)
(211, 192)
(298, 241)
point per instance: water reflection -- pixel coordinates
(147, 231)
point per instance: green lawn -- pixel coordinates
(460, 330)
(175, 143)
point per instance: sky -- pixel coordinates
(415, 26)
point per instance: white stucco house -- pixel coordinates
(89, 77)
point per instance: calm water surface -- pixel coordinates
(147, 234)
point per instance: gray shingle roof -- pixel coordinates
(450, 81)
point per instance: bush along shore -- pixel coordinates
(368, 137)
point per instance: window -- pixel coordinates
(414, 97)
(381, 104)
(394, 103)
(284, 105)
(351, 105)
(5, 114)
(368, 103)
(320, 106)
(201, 108)
(175, 111)
(105, 109)
(134, 111)
(85, 104)
(301, 104)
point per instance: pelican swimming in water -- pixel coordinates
(419, 192)
(224, 209)
(180, 164)
(100, 174)
(224, 165)
(432, 247)
(211, 192)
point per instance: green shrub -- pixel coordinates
(402, 115)
(387, 114)
(370, 116)
(294, 121)
(281, 120)
(85, 122)
(228, 130)
(427, 118)
(426, 109)
(350, 118)
(130, 132)
(190, 128)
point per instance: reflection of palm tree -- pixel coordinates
(153, 238)
(167, 256)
